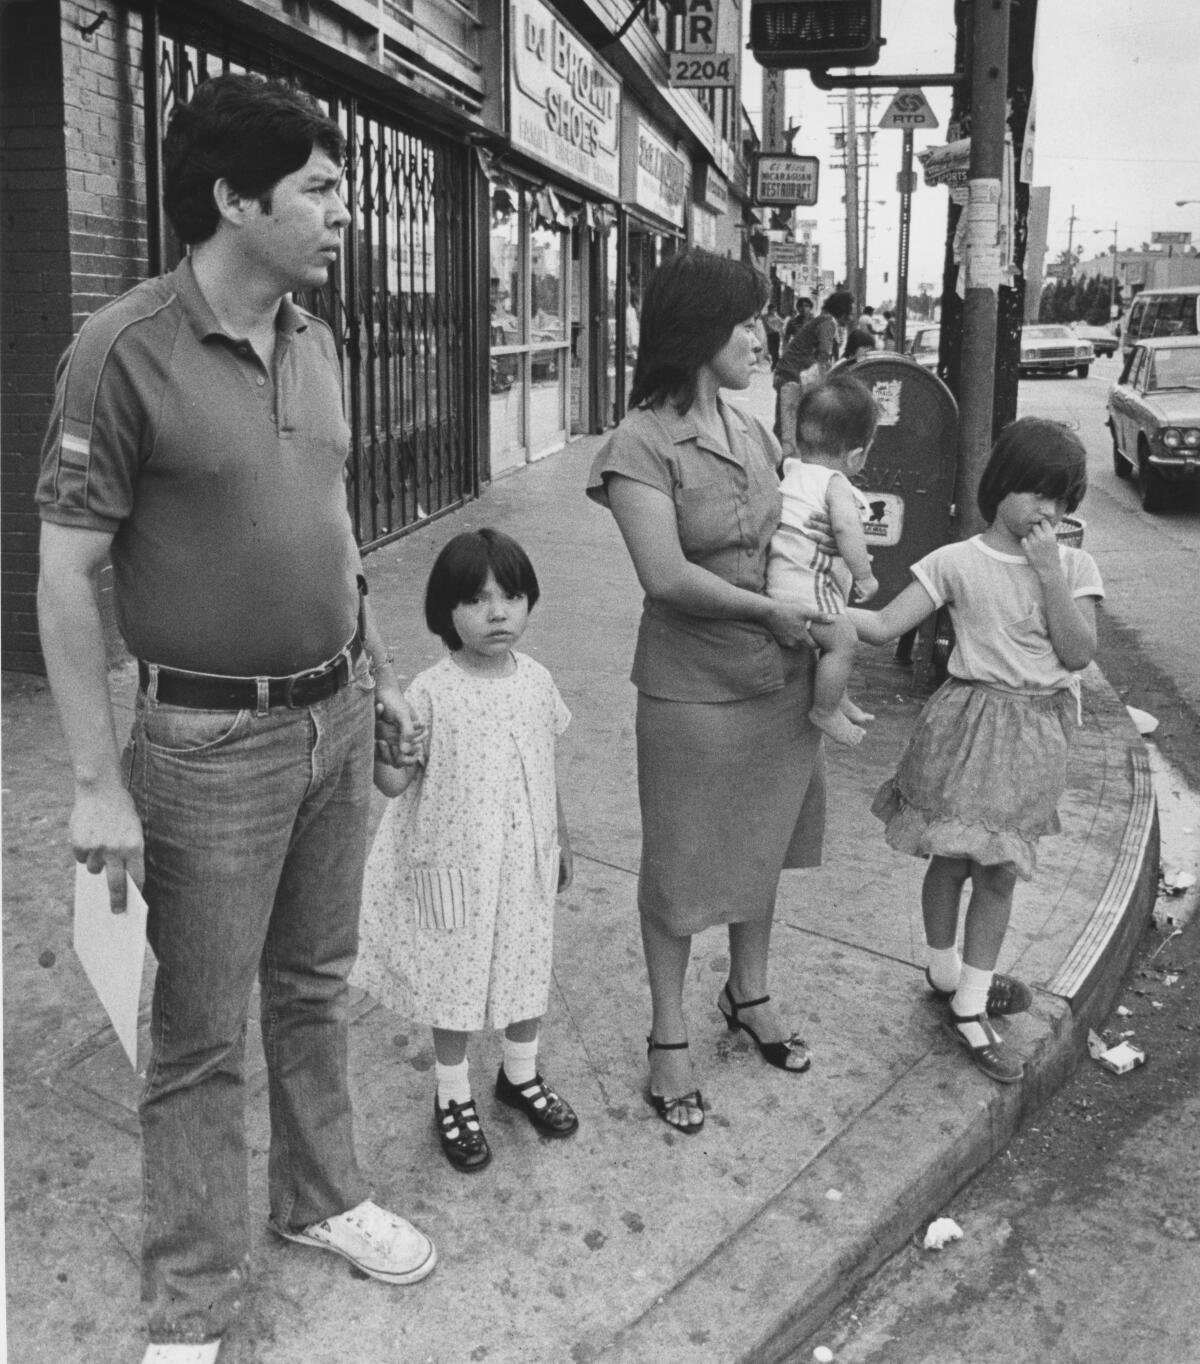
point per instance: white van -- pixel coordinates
(1162, 312)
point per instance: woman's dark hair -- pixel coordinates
(856, 341)
(836, 415)
(690, 307)
(460, 571)
(243, 129)
(1033, 455)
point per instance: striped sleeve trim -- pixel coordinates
(88, 468)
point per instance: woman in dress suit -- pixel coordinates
(730, 776)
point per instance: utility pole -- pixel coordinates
(981, 253)
(850, 124)
(866, 232)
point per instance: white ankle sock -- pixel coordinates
(453, 1082)
(945, 967)
(520, 1061)
(971, 995)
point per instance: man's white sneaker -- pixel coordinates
(376, 1241)
(176, 1353)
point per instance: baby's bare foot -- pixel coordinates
(839, 729)
(854, 713)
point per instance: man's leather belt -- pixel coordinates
(210, 691)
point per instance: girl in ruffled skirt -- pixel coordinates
(980, 780)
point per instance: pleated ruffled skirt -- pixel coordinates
(981, 778)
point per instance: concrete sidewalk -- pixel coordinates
(626, 1243)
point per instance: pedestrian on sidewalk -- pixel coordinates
(198, 438)
(775, 323)
(458, 903)
(730, 771)
(808, 357)
(801, 313)
(981, 778)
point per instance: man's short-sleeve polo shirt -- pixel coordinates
(223, 484)
(727, 506)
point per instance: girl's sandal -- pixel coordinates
(773, 1053)
(997, 1061)
(461, 1135)
(669, 1109)
(1006, 994)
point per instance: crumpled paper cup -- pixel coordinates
(941, 1233)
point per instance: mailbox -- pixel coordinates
(908, 481)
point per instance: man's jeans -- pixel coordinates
(255, 840)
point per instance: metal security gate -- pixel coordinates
(398, 301)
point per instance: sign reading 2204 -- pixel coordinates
(703, 70)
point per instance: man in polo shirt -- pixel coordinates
(198, 440)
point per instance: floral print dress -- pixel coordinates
(458, 895)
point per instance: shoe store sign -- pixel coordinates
(564, 102)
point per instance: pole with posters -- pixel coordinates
(981, 255)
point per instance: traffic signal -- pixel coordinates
(816, 34)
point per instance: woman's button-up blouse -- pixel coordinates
(727, 507)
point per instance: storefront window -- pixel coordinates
(505, 268)
(546, 293)
(530, 333)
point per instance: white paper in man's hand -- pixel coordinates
(112, 950)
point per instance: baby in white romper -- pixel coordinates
(835, 425)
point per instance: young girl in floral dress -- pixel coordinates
(458, 908)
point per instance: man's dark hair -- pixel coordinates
(690, 307)
(1033, 455)
(839, 304)
(836, 415)
(460, 571)
(244, 129)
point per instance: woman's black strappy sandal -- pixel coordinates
(773, 1053)
(666, 1108)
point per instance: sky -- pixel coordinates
(1118, 130)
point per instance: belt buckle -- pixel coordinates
(290, 684)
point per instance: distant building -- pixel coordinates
(1137, 270)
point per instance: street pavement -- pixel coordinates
(626, 1243)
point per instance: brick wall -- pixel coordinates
(35, 305)
(74, 225)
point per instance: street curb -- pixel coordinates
(779, 1278)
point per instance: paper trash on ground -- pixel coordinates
(112, 951)
(941, 1233)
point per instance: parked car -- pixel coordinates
(1053, 348)
(1154, 417)
(1104, 341)
(924, 347)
